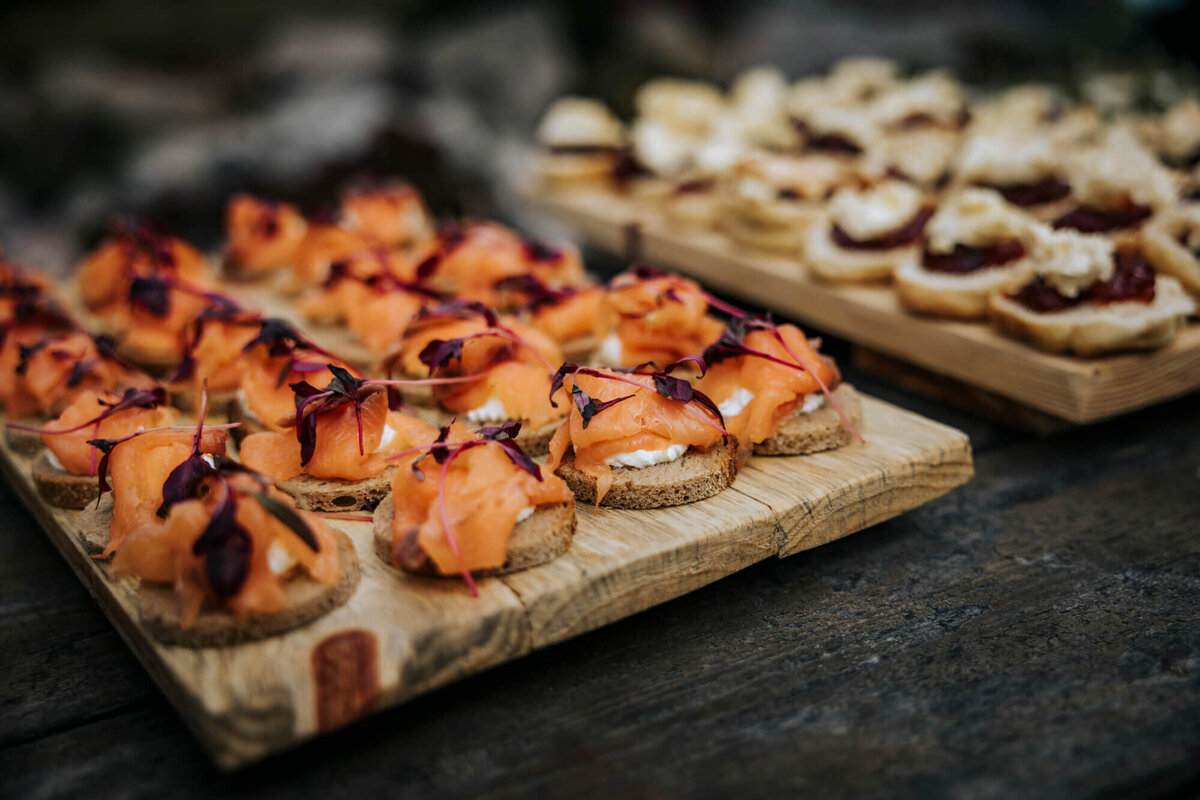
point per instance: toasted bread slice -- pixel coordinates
(694, 476)
(571, 169)
(763, 235)
(333, 494)
(948, 294)
(541, 538)
(840, 265)
(25, 443)
(817, 430)
(61, 488)
(308, 600)
(1089, 330)
(692, 209)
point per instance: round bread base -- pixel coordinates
(545, 536)
(694, 476)
(61, 488)
(93, 526)
(1090, 330)
(818, 430)
(837, 264)
(25, 443)
(308, 600)
(334, 494)
(956, 295)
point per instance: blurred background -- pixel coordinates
(158, 110)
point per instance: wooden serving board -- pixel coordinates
(399, 636)
(1079, 390)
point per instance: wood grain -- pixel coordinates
(1080, 390)
(400, 636)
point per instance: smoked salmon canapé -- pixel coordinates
(467, 259)
(47, 374)
(152, 327)
(214, 356)
(65, 471)
(141, 471)
(332, 454)
(489, 370)
(647, 316)
(389, 212)
(777, 393)
(640, 439)
(374, 305)
(261, 237)
(105, 276)
(277, 356)
(223, 556)
(473, 504)
(566, 314)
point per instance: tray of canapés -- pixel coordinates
(358, 457)
(1014, 240)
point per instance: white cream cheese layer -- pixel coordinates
(736, 402)
(389, 434)
(279, 559)
(811, 403)
(646, 458)
(53, 459)
(610, 350)
(491, 411)
(524, 514)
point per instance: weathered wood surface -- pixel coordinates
(1077, 389)
(1035, 633)
(401, 636)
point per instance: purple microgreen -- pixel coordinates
(505, 436)
(225, 547)
(589, 406)
(183, 482)
(151, 293)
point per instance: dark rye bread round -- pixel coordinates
(25, 443)
(334, 494)
(545, 536)
(820, 430)
(694, 476)
(307, 600)
(61, 488)
(94, 524)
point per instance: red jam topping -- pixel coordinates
(1132, 281)
(904, 235)
(1032, 194)
(1089, 219)
(582, 149)
(964, 259)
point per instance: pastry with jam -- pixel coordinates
(868, 233)
(974, 245)
(1090, 297)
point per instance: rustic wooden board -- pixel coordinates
(400, 636)
(1080, 390)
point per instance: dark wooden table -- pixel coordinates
(1035, 633)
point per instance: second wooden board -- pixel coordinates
(400, 635)
(1080, 390)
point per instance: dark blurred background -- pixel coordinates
(160, 110)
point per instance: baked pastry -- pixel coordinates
(579, 142)
(1090, 298)
(867, 233)
(1171, 243)
(974, 245)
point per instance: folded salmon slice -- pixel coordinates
(657, 319)
(262, 236)
(483, 494)
(72, 449)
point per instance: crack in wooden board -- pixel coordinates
(1077, 389)
(247, 701)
